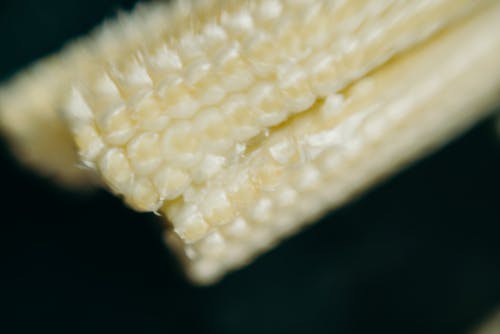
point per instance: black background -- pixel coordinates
(418, 254)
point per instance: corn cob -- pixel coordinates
(31, 102)
(337, 148)
(241, 121)
(174, 114)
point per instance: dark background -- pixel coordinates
(418, 254)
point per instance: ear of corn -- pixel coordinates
(174, 113)
(32, 101)
(241, 121)
(344, 143)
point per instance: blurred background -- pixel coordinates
(418, 254)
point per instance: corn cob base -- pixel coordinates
(243, 123)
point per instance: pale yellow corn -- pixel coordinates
(241, 121)
(345, 142)
(175, 112)
(32, 101)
